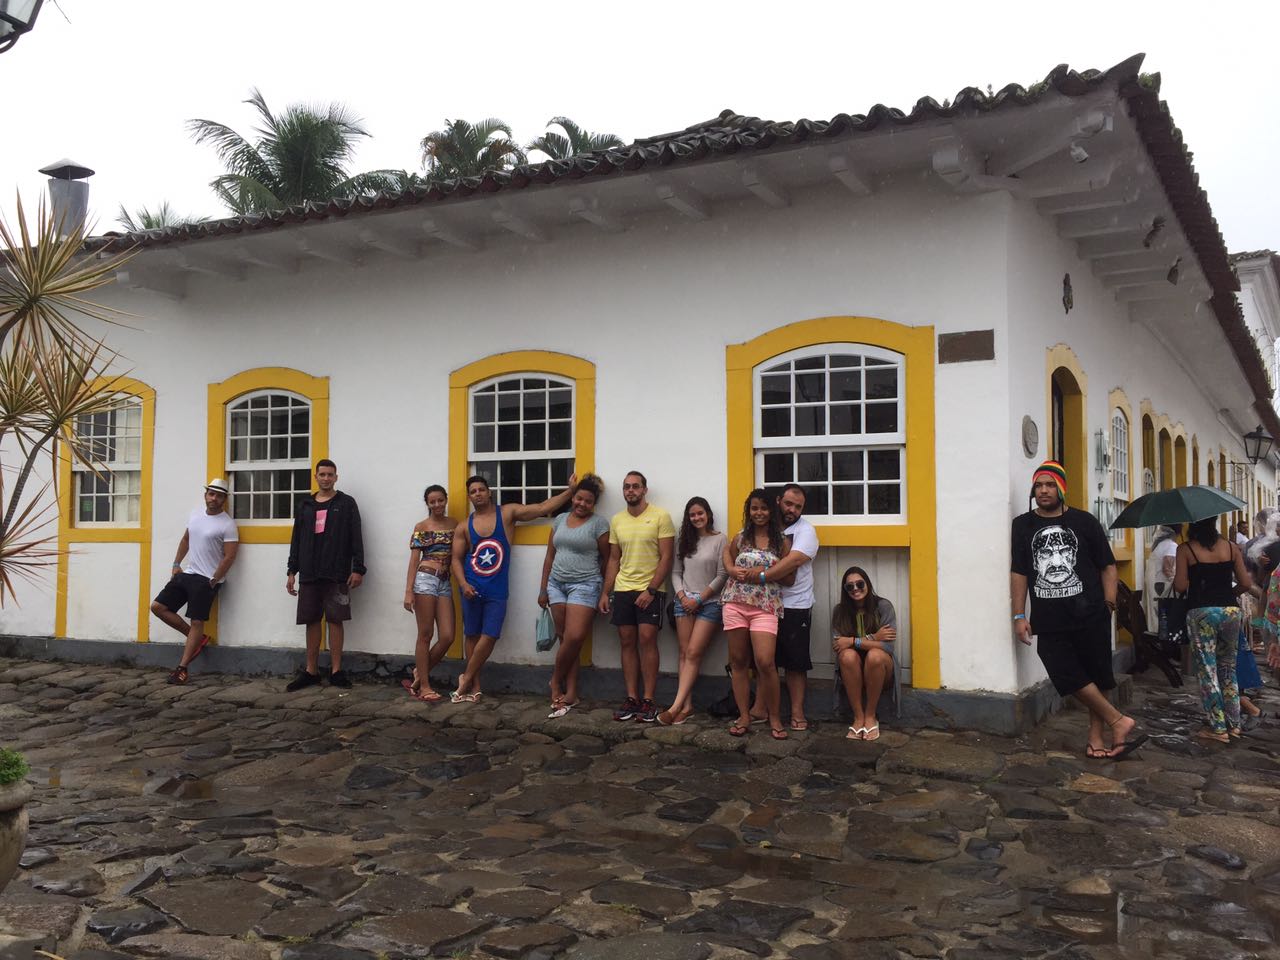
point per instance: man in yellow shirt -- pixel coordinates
(641, 549)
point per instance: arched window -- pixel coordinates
(108, 471)
(521, 435)
(832, 418)
(1119, 454)
(268, 458)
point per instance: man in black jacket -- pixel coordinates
(327, 555)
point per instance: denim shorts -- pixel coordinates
(584, 594)
(708, 611)
(429, 585)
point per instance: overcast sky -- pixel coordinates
(110, 84)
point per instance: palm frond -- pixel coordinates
(23, 554)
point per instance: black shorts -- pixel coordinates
(627, 614)
(1076, 658)
(792, 652)
(191, 590)
(328, 598)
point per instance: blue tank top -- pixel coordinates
(487, 567)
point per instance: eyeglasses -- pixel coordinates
(853, 586)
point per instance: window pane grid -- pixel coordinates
(843, 482)
(108, 490)
(1120, 456)
(521, 435)
(268, 455)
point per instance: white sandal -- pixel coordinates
(872, 732)
(856, 733)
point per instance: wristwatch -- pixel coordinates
(650, 591)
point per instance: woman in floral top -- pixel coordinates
(428, 595)
(752, 604)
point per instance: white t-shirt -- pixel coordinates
(205, 537)
(805, 539)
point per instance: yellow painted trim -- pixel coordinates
(69, 533)
(1075, 445)
(916, 344)
(314, 389)
(581, 372)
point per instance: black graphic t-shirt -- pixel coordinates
(1062, 559)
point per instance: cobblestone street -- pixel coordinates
(227, 819)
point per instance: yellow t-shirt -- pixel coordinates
(638, 537)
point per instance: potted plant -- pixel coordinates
(14, 794)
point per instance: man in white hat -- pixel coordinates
(208, 547)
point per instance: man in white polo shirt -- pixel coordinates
(792, 652)
(208, 547)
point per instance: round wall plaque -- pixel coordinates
(1030, 436)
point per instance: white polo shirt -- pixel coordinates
(804, 538)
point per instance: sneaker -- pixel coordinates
(339, 678)
(178, 677)
(630, 707)
(301, 681)
(648, 712)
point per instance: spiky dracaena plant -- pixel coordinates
(51, 373)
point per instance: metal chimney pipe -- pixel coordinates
(68, 193)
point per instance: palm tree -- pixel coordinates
(164, 217)
(300, 155)
(574, 141)
(464, 149)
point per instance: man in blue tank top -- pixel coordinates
(482, 565)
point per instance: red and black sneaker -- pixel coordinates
(179, 675)
(630, 707)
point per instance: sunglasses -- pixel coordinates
(853, 586)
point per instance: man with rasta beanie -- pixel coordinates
(1065, 558)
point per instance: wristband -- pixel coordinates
(762, 578)
(857, 643)
(1019, 616)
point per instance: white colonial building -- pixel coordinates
(905, 312)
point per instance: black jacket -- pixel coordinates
(341, 549)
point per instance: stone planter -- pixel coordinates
(13, 827)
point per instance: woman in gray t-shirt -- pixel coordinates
(696, 579)
(572, 577)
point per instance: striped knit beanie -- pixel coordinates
(1052, 470)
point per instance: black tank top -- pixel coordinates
(1210, 583)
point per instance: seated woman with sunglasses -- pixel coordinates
(864, 627)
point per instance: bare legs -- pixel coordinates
(864, 681)
(313, 646)
(431, 613)
(742, 645)
(1102, 715)
(193, 631)
(695, 635)
(573, 626)
(477, 650)
(639, 648)
(796, 682)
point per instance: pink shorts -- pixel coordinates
(739, 615)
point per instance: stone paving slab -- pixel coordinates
(230, 819)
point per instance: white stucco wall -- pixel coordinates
(653, 308)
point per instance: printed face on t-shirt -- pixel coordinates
(1053, 551)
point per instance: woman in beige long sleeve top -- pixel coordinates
(696, 580)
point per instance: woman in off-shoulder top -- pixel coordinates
(428, 594)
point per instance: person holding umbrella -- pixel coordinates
(1065, 558)
(1211, 570)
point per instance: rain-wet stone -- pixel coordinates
(1021, 805)
(391, 893)
(304, 919)
(514, 905)
(1223, 858)
(207, 751)
(984, 849)
(745, 917)
(324, 951)
(33, 857)
(644, 946)
(535, 939)
(215, 907)
(1092, 846)
(116, 925)
(372, 776)
(231, 827)
(1109, 809)
(713, 836)
(327, 883)
(651, 900)
(694, 876)
(695, 810)
(69, 880)
(878, 838)
(943, 759)
(453, 768)
(416, 932)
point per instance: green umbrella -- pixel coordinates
(1179, 505)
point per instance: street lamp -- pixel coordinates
(16, 18)
(1257, 444)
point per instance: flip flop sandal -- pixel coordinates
(1096, 753)
(1210, 736)
(738, 730)
(856, 733)
(430, 696)
(458, 697)
(755, 720)
(559, 710)
(1124, 749)
(779, 733)
(872, 733)
(800, 725)
(413, 690)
